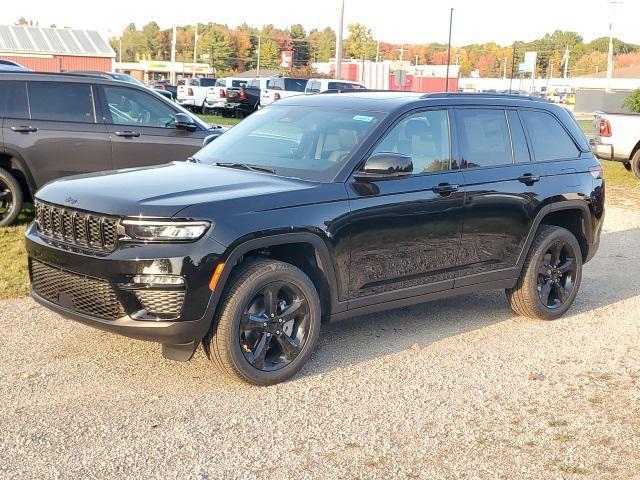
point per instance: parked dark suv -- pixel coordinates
(55, 125)
(319, 208)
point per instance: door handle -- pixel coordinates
(529, 178)
(128, 134)
(24, 129)
(445, 188)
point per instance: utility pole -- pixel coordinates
(550, 76)
(566, 61)
(612, 4)
(338, 74)
(504, 68)
(173, 56)
(417, 56)
(446, 87)
(120, 52)
(378, 52)
(401, 50)
(513, 64)
(258, 62)
(195, 50)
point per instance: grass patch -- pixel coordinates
(586, 126)
(220, 120)
(573, 469)
(14, 281)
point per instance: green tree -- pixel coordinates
(359, 43)
(632, 102)
(300, 45)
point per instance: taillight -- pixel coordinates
(223, 93)
(276, 96)
(190, 92)
(243, 94)
(605, 128)
(596, 172)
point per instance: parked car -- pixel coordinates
(11, 66)
(123, 77)
(166, 86)
(319, 208)
(243, 101)
(282, 87)
(60, 124)
(616, 136)
(318, 85)
(192, 92)
(216, 96)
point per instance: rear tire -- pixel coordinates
(550, 277)
(10, 198)
(635, 164)
(268, 324)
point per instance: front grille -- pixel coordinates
(97, 232)
(80, 293)
(161, 303)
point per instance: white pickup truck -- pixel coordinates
(216, 96)
(192, 92)
(616, 136)
(282, 87)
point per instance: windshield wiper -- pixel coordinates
(193, 160)
(246, 166)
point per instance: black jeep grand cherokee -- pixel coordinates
(318, 208)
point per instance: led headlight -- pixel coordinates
(164, 231)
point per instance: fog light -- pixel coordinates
(159, 280)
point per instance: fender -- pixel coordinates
(555, 207)
(323, 257)
(20, 164)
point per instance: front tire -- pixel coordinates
(550, 277)
(268, 325)
(10, 198)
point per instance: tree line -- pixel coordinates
(231, 50)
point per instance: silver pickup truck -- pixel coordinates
(616, 136)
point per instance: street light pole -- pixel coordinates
(612, 4)
(338, 73)
(446, 88)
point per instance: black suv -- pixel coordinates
(55, 125)
(319, 208)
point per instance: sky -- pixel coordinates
(406, 21)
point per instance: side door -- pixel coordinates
(57, 134)
(501, 183)
(405, 232)
(143, 130)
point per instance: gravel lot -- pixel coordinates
(460, 388)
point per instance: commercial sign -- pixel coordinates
(530, 59)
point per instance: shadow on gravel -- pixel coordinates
(607, 279)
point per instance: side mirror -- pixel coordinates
(185, 122)
(386, 165)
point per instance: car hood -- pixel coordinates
(163, 191)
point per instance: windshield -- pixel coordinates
(310, 143)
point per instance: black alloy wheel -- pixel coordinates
(10, 198)
(556, 274)
(274, 326)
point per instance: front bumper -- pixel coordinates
(114, 274)
(215, 103)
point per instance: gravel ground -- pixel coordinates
(460, 388)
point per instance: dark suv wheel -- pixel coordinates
(268, 325)
(551, 275)
(635, 164)
(10, 198)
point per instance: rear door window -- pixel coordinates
(484, 137)
(549, 140)
(62, 102)
(520, 149)
(13, 100)
(295, 84)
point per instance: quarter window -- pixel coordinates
(422, 136)
(128, 106)
(62, 102)
(549, 139)
(484, 137)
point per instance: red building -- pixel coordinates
(56, 49)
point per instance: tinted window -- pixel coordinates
(238, 83)
(207, 82)
(549, 139)
(520, 149)
(275, 84)
(295, 84)
(424, 137)
(64, 102)
(344, 86)
(484, 137)
(13, 100)
(253, 83)
(128, 106)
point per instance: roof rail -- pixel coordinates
(481, 95)
(66, 74)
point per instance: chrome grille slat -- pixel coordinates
(98, 232)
